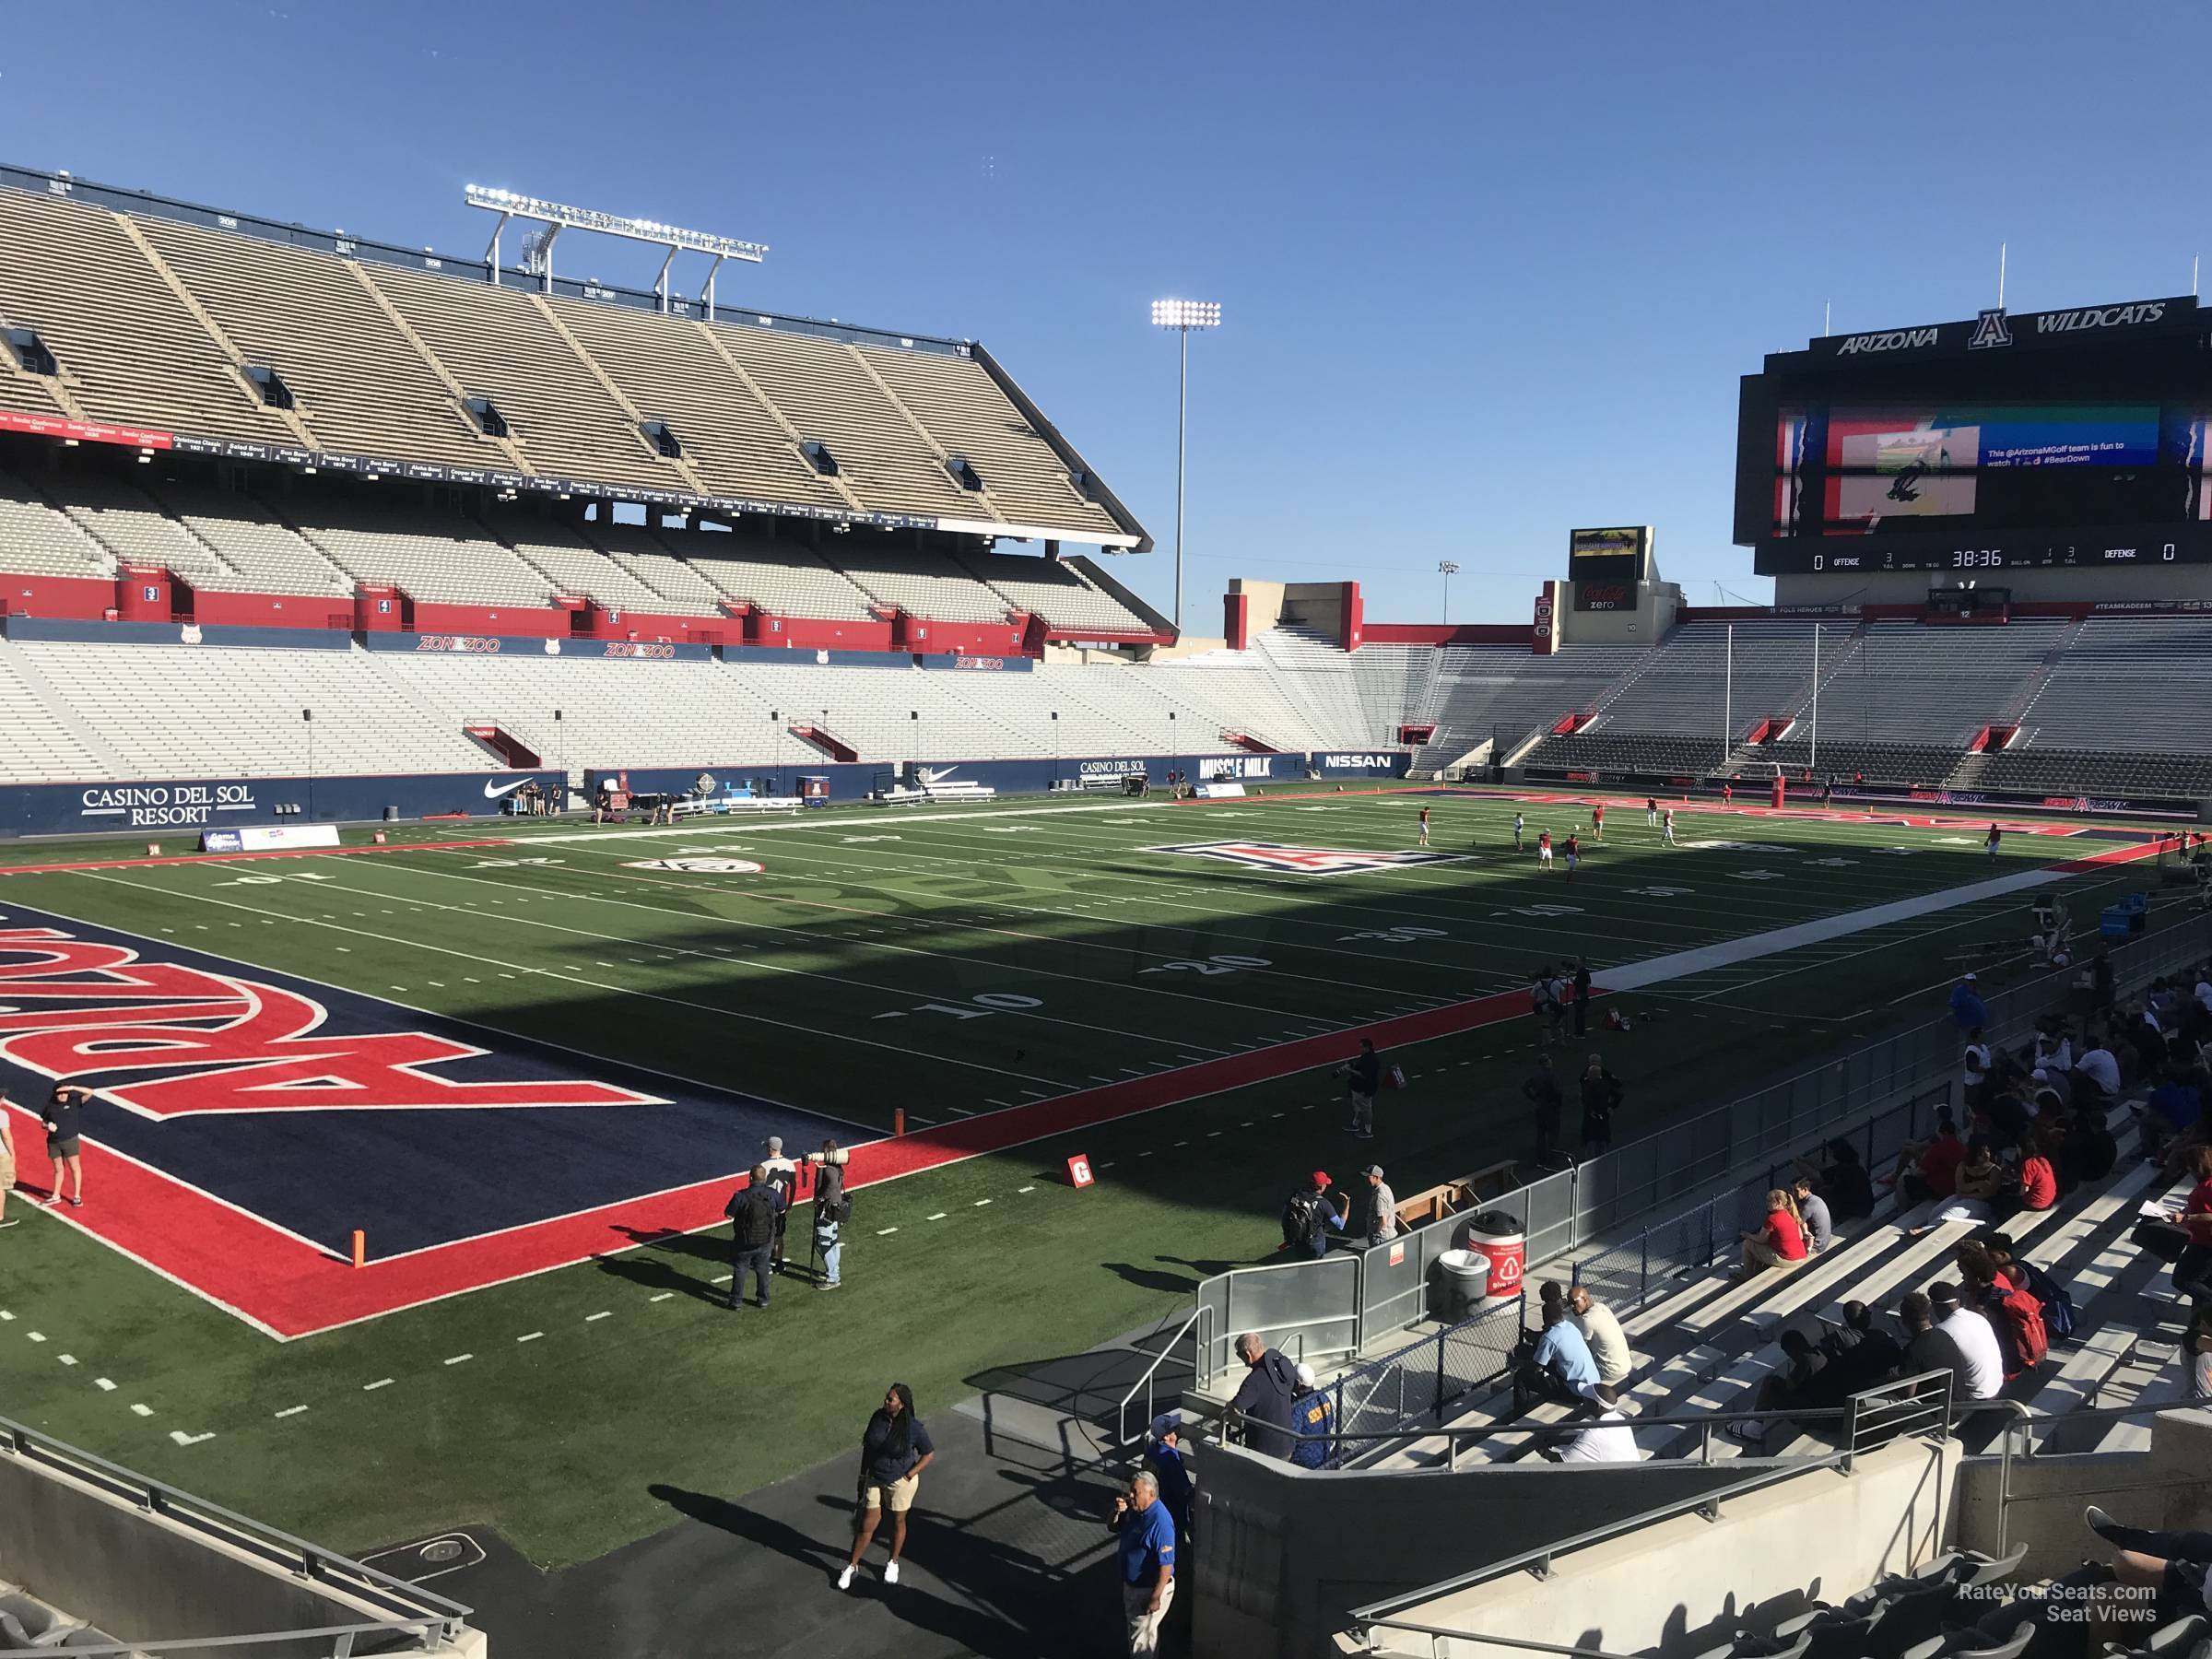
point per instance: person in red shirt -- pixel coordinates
(2039, 1176)
(1574, 852)
(1929, 1169)
(1597, 821)
(1727, 795)
(1781, 1243)
(2193, 1268)
(1544, 849)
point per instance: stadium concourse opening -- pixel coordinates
(494, 761)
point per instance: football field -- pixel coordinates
(524, 1065)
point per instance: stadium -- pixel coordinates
(487, 750)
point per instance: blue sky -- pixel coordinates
(1488, 273)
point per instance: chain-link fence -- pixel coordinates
(1424, 1379)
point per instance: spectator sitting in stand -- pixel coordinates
(2095, 1074)
(1928, 1346)
(1812, 1215)
(1603, 1435)
(1608, 1342)
(1984, 1377)
(1929, 1169)
(1982, 1176)
(1783, 1387)
(1844, 1183)
(1859, 1353)
(1559, 1365)
(2172, 1111)
(1780, 1244)
(2039, 1170)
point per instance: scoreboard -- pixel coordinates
(1620, 555)
(2052, 438)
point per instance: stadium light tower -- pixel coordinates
(1447, 570)
(553, 218)
(1182, 315)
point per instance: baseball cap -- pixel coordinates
(1373, 1169)
(2039, 1076)
(1167, 1423)
(775, 1142)
(1304, 1374)
(1968, 977)
(1321, 1180)
(1944, 1294)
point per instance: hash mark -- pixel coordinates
(103, 1386)
(1027, 1189)
(939, 1217)
(603, 1313)
(291, 1411)
(532, 1337)
(142, 1410)
(882, 1231)
(66, 1359)
(663, 1296)
(981, 1202)
(459, 1358)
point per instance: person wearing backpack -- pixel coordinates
(2014, 1314)
(1308, 1215)
(2050, 1295)
(833, 1209)
(752, 1212)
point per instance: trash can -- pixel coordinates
(1462, 1279)
(1496, 1237)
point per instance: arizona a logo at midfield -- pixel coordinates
(1306, 860)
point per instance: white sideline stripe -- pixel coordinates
(1636, 976)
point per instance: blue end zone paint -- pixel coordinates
(417, 1177)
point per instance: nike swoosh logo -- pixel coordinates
(492, 792)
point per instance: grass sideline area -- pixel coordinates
(844, 978)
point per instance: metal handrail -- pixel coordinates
(341, 1635)
(421, 1611)
(1885, 1401)
(1202, 1314)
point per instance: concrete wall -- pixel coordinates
(1283, 1554)
(1646, 624)
(1680, 1587)
(2047, 1494)
(143, 1577)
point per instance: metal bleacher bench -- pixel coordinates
(900, 794)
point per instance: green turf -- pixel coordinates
(780, 980)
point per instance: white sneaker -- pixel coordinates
(890, 1573)
(844, 1579)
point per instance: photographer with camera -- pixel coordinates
(833, 1209)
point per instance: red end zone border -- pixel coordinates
(286, 1286)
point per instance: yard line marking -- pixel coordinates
(142, 1410)
(663, 1296)
(603, 1313)
(999, 1104)
(459, 1358)
(290, 1411)
(939, 1217)
(532, 1337)
(103, 1386)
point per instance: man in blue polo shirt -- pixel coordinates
(1561, 1366)
(1147, 1561)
